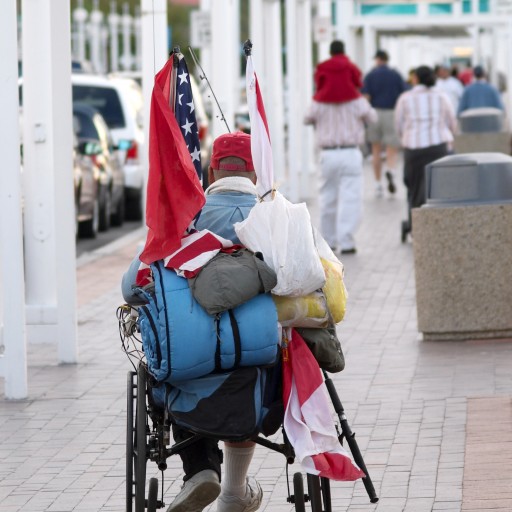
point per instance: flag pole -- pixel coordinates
(203, 76)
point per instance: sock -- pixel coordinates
(236, 465)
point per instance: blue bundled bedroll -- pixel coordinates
(181, 341)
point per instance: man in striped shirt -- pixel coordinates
(339, 131)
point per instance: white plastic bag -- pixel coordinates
(283, 233)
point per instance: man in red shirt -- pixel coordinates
(337, 79)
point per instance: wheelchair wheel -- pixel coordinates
(298, 493)
(153, 495)
(325, 485)
(129, 441)
(314, 492)
(140, 438)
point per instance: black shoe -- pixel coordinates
(391, 183)
(349, 251)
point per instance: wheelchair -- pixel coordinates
(148, 439)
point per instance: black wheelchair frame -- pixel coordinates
(148, 438)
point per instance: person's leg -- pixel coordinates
(201, 464)
(202, 454)
(377, 167)
(239, 493)
(377, 161)
(374, 135)
(328, 196)
(409, 181)
(392, 142)
(351, 198)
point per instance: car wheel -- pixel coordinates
(134, 208)
(105, 210)
(89, 228)
(118, 215)
(77, 223)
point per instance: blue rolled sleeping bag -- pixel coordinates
(181, 341)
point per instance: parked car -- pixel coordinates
(95, 141)
(119, 101)
(86, 179)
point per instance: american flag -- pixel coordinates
(184, 111)
(174, 192)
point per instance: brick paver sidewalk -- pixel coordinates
(432, 419)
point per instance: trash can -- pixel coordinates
(481, 120)
(462, 244)
(469, 178)
(482, 129)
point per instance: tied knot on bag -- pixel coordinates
(271, 191)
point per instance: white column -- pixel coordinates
(138, 38)
(126, 32)
(13, 362)
(96, 20)
(206, 52)
(304, 59)
(256, 35)
(344, 15)
(155, 52)
(274, 93)
(370, 47)
(80, 16)
(294, 108)
(50, 247)
(113, 22)
(324, 8)
(265, 33)
(509, 77)
(225, 77)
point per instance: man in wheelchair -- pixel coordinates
(229, 199)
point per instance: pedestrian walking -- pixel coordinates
(425, 122)
(480, 93)
(382, 86)
(339, 133)
(448, 84)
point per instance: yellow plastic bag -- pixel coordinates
(334, 289)
(317, 309)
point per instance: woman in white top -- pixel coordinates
(425, 122)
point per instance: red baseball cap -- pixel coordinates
(236, 144)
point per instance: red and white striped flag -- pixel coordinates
(260, 136)
(308, 417)
(196, 250)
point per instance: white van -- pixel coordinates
(119, 101)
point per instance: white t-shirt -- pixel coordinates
(452, 88)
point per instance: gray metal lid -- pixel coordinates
(473, 178)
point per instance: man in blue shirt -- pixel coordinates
(480, 93)
(382, 86)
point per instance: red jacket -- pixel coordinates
(337, 80)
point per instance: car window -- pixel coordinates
(105, 100)
(84, 127)
(103, 132)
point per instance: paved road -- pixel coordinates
(432, 419)
(86, 245)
